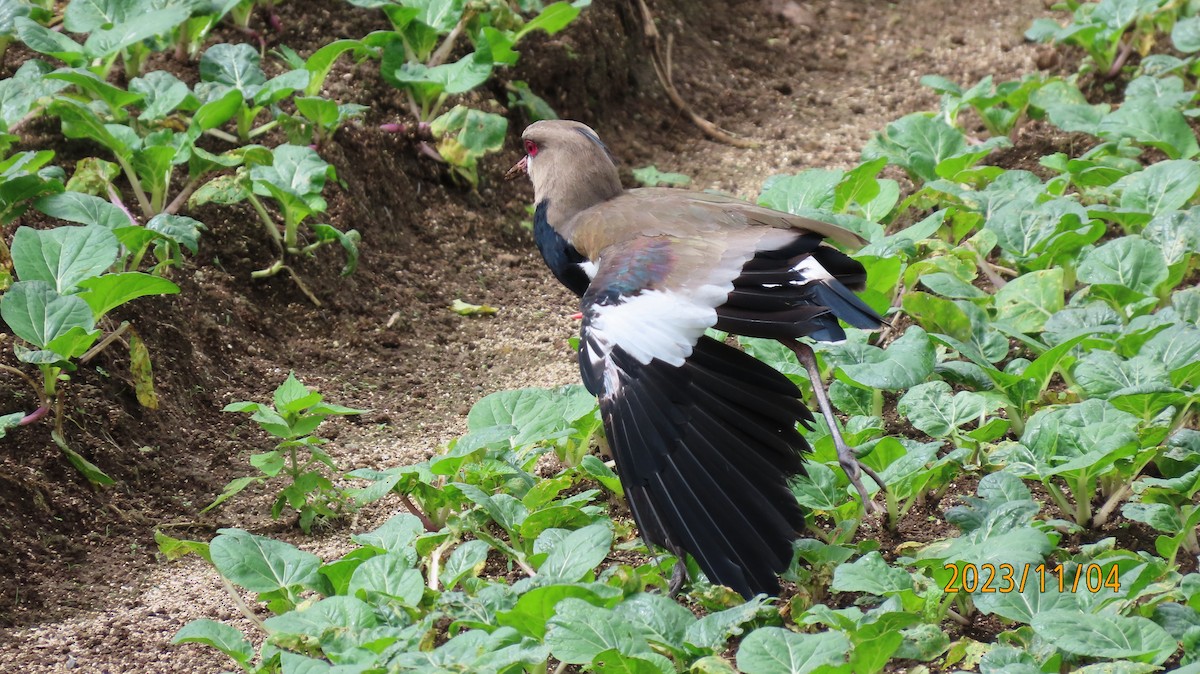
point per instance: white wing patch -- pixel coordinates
(811, 270)
(655, 324)
(590, 268)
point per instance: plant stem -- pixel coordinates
(115, 198)
(103, 344)
(241, 605)
(1111, 504)
(181, 198)
(258, 131)
(227, 137)
(272, 230)
(1059, 498)
(412, 508)
(435, 561)
(131, 175)
(443, 51)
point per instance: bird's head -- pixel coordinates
(568, 164)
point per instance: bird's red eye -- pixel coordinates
(531, 148)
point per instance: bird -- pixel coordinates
(704, 436)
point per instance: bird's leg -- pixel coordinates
(846, 456)
(679, 576)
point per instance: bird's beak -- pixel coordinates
(519, 168)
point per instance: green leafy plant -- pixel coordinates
(999, 106)
(1109, 30)
(115, 29)
(293, 416)
(317, 119)
(414, 58)
(293, 178)
(64, 289)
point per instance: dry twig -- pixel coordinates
(661, 58)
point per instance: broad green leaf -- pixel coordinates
(1088, 319)
(1129, 261)
(1161, 187)
(1150, 123)
(713, 630)
(1022, 593)
(1176, 234)
(579, 632)
(71, 344)
(1175, 347)
(179, 229)
(537, 606)
(1161, 516)
(78, 121)
(951, 286)
(453, 78)
(107, 292)
(397, 536)
(1026, 302)
(577, 554)
(918, 143)
(934, 408)
(84, 209)
(281, 86)
(1185, 34)
(1080, 435)
(813, 188)
(161, 93)
(36, 313)
(63, 256)
(552, 18)
(235, 66)
(262, 564)
(216, 111)
(1029, 230)
(659, 619)
(467, 560)
(108, 41)
(297, 171)
(905, 363)
(773, 650)
(45, 41)
(220, 636)
(85, 16)
(321, 62)
(97, 87)
(1104, 374)
(871, 574)
(536, 415)
(226, 189)
(22, 91)
(817, 488)
(390, 577)
(861, 186)
(923, 642)
(341, 613)
(1105, 635)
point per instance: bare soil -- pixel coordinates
(81, 586)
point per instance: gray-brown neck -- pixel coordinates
(572, 170)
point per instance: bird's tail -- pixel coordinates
(705, 452)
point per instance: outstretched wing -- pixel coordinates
(704, 436)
